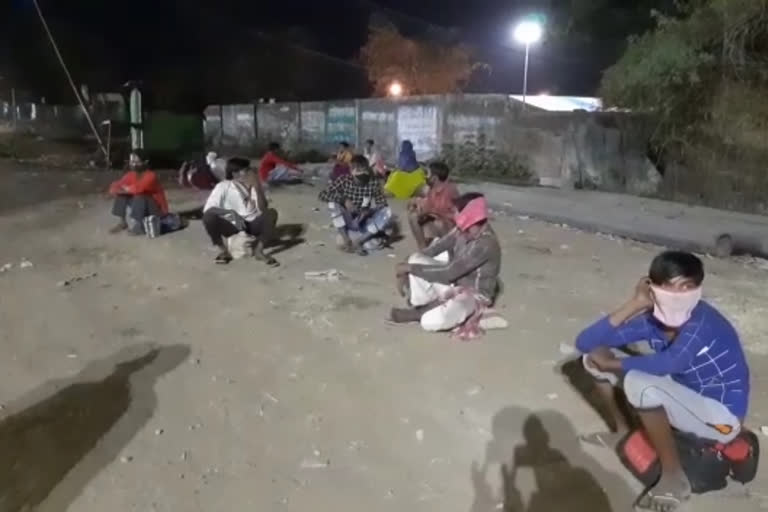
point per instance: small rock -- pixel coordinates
(126, 458)
(552, 396)
(420, 435)
(565, 247)
(474, 390)
(764, 430)
(567, 349)
(25, 263)
(6, 267)
(184, 455)
(312, 463)
(159, 432)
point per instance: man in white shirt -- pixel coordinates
(238, 204)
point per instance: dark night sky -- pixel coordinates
(196, 51)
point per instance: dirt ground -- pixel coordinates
(156, 380)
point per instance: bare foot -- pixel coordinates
(118, 228)
(667, 495)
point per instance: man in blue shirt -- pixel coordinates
(696, 379)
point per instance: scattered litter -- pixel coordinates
(6, 267)
(356, 445)
(420, 435)
(493, 322)
(195, 426)
(77, 279)
(72, 355)
(25, 263)
(523, 217)
(390, 494)
(80, 205)
(552, 396)
(126, 458)
(567, 349)
(313, 463)
(159, 432)
(184, 455)
(474, 390)
(391, 256)
(565, 247)
(271, 398)
(330, 275)
(520, 232)
(764, 430)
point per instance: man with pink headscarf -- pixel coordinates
(453, 281)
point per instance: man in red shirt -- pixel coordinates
(435, 211)
(139, 189)
(275, 170)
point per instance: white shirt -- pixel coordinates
(233, 195)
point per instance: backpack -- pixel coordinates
(707, 464)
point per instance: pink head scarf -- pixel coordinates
(475, 212)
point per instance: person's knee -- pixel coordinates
(209, 217)
(434, 320)
(418, 259)
(598, 375)
(642, 390)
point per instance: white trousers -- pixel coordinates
(448, 315)
(686, 410)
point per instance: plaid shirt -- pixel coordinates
(348, 188)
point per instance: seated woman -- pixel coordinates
(138, 195)
(275, 170)
(238, 204)
(358, 208)
(409, 177)
(342, 161)
(453, 281)
(432, 216)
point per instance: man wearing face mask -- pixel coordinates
(452, 282)
(139, 192)
(696, 379)
(358, 207)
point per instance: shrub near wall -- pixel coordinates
(472, 161)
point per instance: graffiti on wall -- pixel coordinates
(341, 125)
(476, 129)
(419, 125)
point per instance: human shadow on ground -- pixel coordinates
(74, 428)
(584, 384)
(566, 478)
(287, 236)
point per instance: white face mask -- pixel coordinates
(673, 309)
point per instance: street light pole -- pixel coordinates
(527, 32)
(525, 75)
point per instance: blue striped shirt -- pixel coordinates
(706, 356)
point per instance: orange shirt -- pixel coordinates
(144, 184)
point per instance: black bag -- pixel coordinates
(707, 464)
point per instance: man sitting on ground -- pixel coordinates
(454, 280)
(275, 170)
(433, 213)
(696, 380)
(140, 191)
(358, 207)
(238, 204)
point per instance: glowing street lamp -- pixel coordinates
(527, 32)
(395, 89)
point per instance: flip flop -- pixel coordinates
(607, 440)
(223, 259)
(650, 502)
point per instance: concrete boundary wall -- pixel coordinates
(572, 149)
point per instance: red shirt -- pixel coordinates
(439, 200)
(145, 184)
(269, 162)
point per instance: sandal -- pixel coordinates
(602, 439)
(223, 258)
(651, 502)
